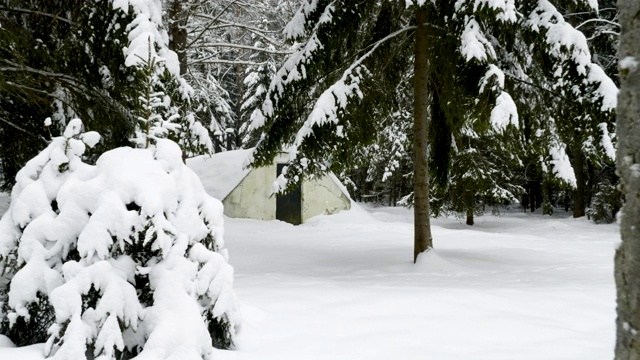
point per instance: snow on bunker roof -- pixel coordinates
(220, 173)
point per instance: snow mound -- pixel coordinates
(6, 342)
(433, 262)
(221, 172)
(355, 215)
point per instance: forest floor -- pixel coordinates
(514, 286)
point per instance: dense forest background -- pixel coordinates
(196, 72)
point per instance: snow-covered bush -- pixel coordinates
(125, 258)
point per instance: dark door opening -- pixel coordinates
(289, 205)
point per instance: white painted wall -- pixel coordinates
(322, 196)
(252, 197)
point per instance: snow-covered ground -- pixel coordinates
(518, 286)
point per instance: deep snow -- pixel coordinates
(517, 286)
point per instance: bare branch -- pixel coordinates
(245, 47)
(229, 23)
(229, 62)
(211, 23)
(253, 30)
(597, 20)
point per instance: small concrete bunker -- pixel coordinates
(248, 193)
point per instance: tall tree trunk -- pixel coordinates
(422, 227)
(470, 201)
(470, 217)
(178, 16)
(547, 204)
(532, 196)
(578, 160)
(627, 261)
(579, 192)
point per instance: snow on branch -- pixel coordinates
(561, 165)
(144, 29)
(566, 43)
(296, 27)
(245, 47)
(606, 142)
(504, 113)
(293, 68)
(474, 44)
(506, 8)
(336, 97)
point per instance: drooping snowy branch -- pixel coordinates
(293, 68)
(336, 97)
(568, 44)
(144, 29)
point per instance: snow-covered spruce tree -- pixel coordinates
(579, 134)
(256, 83)
(483, 172)
(164, 101)
(465, 57)
(164, 108)
(384, 172)
(119, 259)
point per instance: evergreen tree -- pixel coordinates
(115, 260)
(56, 63)
(466, 57)
(484, 171)
(78, 69)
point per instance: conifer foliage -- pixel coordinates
(119, 259)
(473, 60)
(86, 59)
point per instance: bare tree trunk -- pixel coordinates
(627, 261)
(422, 227)
(470, 201)
(470, 221)
(178, 16)
(547, 204)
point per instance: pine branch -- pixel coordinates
(24, 131)
(15, 67)
(35, 12)
(538, 87)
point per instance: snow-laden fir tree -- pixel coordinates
(164, 97)
(483, 173)
(256, 83)
(116, 260)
